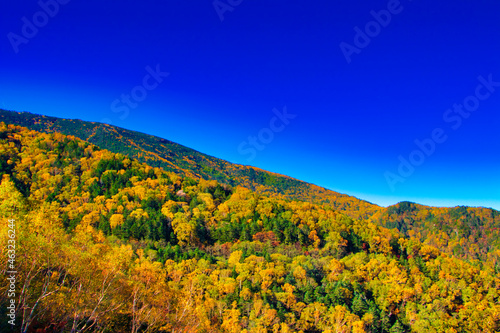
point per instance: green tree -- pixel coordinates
(397, 327)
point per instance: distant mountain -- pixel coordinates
(466, 232)
(185, 161)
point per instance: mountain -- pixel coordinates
(471, 233)
(466, 232)
(185, 161)
(101, 242)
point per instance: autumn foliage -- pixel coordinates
(109, 244)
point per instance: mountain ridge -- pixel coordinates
(22, 118)
(451, 229)
(166, 253)
(198, 164)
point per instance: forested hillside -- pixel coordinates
(469, 233)
(109, 244)
(185, 161)
(466, 232)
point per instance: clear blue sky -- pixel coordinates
(355, 114)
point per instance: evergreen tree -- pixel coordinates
(385, 322)
(397, 327)
(359, 305)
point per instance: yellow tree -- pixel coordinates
(183, 228)
(150, 297)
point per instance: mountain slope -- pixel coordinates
(108, 244)
(471, 233)
(466, 232)
(188, 162)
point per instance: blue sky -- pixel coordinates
(361, 82)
